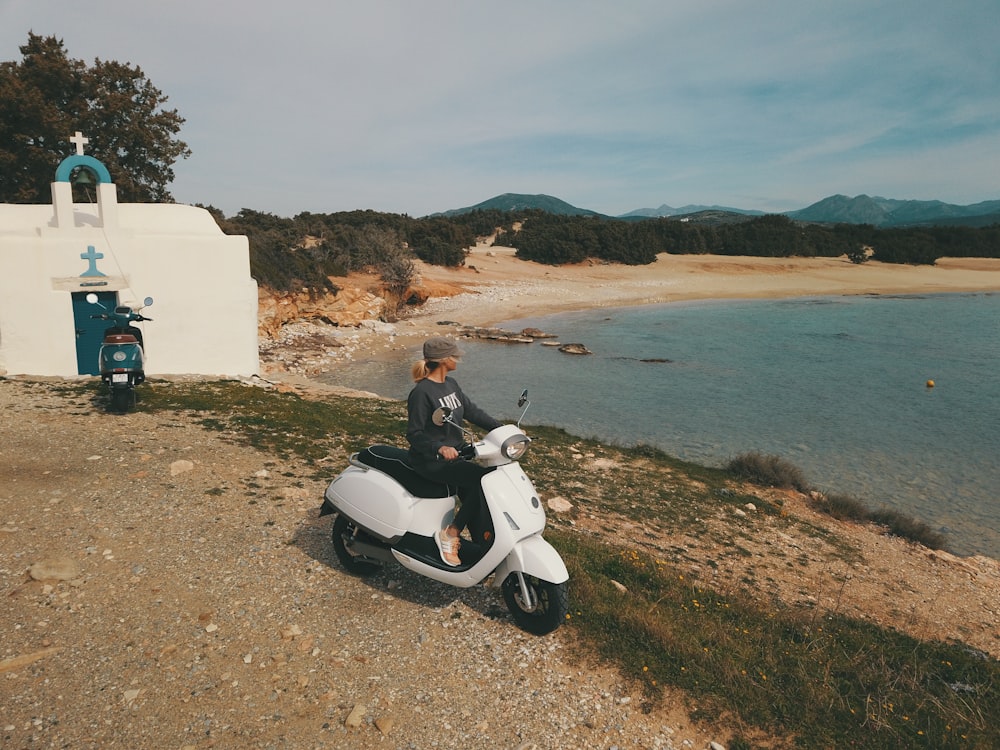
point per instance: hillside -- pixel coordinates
(885, 212)
(520, 202)
(861, 209)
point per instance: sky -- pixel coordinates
(421, 106)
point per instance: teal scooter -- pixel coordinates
(121, 358)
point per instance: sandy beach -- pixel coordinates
(495, 285)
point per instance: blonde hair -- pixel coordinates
(420, 370)
(424, 367)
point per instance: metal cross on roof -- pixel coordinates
(80, 142)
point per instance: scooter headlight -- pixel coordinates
(514, 447)
(118, 356)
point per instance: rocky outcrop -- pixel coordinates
(525, 336)
(347, 307)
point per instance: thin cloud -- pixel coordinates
(421, 107)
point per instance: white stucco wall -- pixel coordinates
(205, 301)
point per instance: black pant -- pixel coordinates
(468, 477)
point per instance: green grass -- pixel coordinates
(284, 424)
(779, 676)
(815, 682)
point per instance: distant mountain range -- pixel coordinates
(887, 212)
(665, 210)
(861, 209)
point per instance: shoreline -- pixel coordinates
(495, 286)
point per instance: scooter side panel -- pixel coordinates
(535, 557)
(431, 514)
(373, 500)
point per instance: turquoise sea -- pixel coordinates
(836, 385)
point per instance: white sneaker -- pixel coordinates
(448, 547)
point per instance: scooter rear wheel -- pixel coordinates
(121, 398)
(544, 612)
(345, 530)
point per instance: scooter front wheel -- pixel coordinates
(545, 607)
(344, 531)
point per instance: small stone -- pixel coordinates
(354, 719)
(181, 466)
(559, 504)
(290, 631)
(55, 569)
(384, 724)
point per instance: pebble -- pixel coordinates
(55, 569)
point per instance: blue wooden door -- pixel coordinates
(90, 332)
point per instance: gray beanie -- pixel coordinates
(439, 348)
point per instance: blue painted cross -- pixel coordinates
(92, 257)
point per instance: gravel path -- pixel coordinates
(191, 599)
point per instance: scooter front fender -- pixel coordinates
(534, 557)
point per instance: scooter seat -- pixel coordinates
(120, 338)
(396, 463)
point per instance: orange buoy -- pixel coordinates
(930, 383)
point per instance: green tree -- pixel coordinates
(47, 97)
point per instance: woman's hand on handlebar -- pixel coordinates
(448, 453)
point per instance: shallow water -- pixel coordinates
(836, 385)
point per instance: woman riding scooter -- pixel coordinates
(434, 448)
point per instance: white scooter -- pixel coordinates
(386, 512)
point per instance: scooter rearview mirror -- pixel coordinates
(92, 298)
(441, 415)
(523, 401)
(147, 302)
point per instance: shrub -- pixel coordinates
(842, 507)
(909, 528)
(847, 508)
(767, 471)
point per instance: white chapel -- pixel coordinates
(204, 311)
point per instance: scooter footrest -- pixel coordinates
(424, 548)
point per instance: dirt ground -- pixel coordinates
(167, 588)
